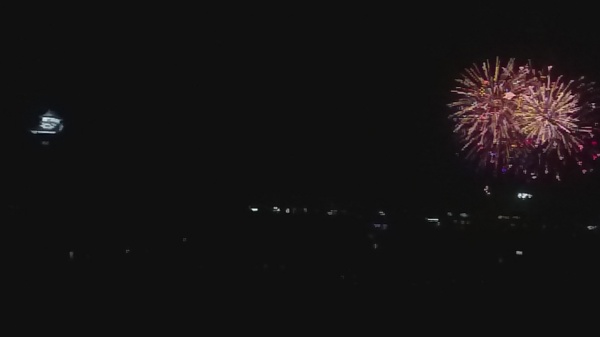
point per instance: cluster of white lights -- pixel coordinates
(383, 226)
(288, 210)
(50, 123)
(524, 196)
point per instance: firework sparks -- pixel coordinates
(485, 113)
(553, 119)
(549, 117)
(522, 120)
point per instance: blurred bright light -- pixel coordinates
(486, 189)
(50, 123)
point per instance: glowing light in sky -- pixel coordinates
(520, 120)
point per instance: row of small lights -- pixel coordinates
(125, 251)
(305, 210)
(278, 210)
(520, 195)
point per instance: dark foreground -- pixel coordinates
(265, 270)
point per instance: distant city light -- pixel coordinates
(591, 228)
(519, 252)
(432, 219)
(449, 214)
(524, 195)
(464, 215)
(71, 255)
(287, 211)
(381, 213)
(254, 209)
(50, 123)
(276, 209)
(383, 226)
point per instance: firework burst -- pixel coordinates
(485, 113)
(520, 120)
(554, 116)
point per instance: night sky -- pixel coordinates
(254, 102)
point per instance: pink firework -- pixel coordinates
(484, 114)
(556, 117)
(517, 119)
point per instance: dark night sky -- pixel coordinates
(328, 102)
